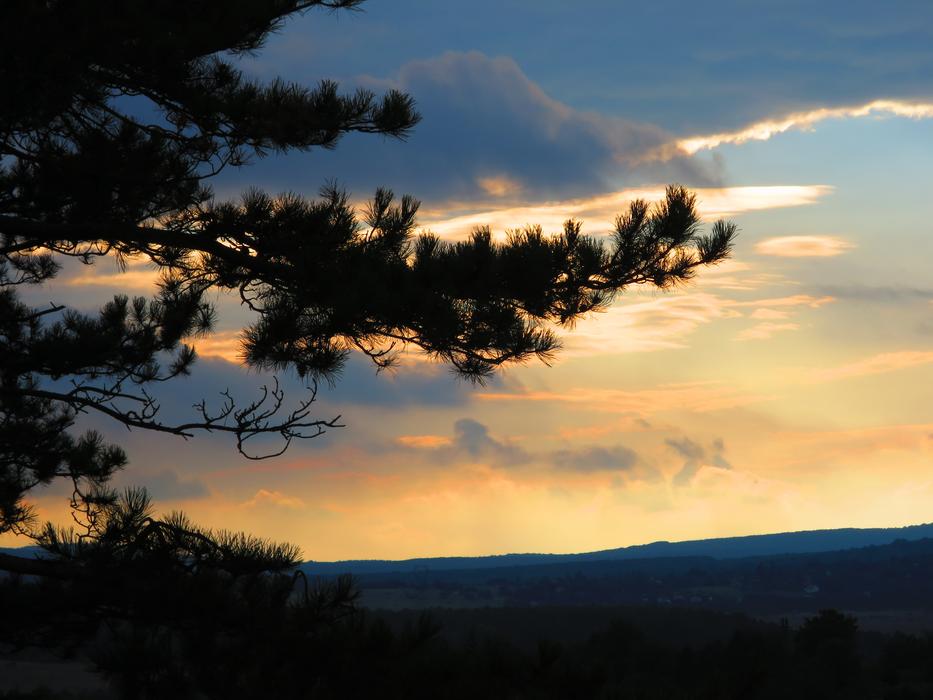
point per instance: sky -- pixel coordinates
(786, 389)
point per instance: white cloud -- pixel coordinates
(457, 220)
(643, 326)
(766, 330)
(804, 246)
(665, 322)
(876, 364)
(798, 121)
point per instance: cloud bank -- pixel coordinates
(701, 68)
(487, 131)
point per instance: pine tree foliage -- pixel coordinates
(118, 531)
(114, 119)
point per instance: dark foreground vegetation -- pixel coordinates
(250, 644)
(161, 608)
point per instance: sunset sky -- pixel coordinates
(786, 389)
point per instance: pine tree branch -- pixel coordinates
(36, 235)
(254, 420)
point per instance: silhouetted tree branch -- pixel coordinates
(115, 117)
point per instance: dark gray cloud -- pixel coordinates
(695, 456)
(435, 385)
(472, 438)
(483, 118)
(686, 448)
(880, 294)
(166, 485)
(622, 461)
(689, 67)
(590, 459)
(359, 384)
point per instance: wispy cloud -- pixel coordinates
(140, 280)
(265, 497)
(773, 313)
(769, 314)
(471, 440)
(499, 185)
(765, 330)
(887, 294)
(764, 130)
(737, 275)
(804, 246)
(618, 460)
(472, 443)
(876, 364)
(697, 396)
(788, 301)
(139, 274)
(657, 324)
(458, 219)
(826, 446)
(666, 322)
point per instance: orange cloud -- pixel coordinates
(764, 130)
(876, 364)
(131, 279)
(499, 185)
(804, 246)
(845, 445)
(424, 442)
(226, 345)
(138, 274)
(264, 497)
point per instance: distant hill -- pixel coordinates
(889, 579)
(28, 552)
(679, 553)
(804, 542)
